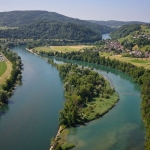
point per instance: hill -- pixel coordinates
(20, 18)
(52, 30)
(124, 31)
(134, 38)
(116, 24)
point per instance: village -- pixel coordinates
(115, 47)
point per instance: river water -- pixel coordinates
(105, 36)
(30, 119)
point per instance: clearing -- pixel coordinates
(63, 49)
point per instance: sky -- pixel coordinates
(121, 10)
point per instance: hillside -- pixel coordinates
(124, 31)
(52, 30)
(116, 24)
(135, 39)
(20, 18)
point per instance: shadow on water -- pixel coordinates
(4, 109)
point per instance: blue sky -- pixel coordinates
(126, 10)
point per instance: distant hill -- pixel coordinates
(20, 18)
(52, 30)
(124, 31)
(116, 24)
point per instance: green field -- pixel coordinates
(5, 71)
(3, 68)
(63, 49)
(45, 49)
(140, 62)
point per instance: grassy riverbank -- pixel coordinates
(5, 71)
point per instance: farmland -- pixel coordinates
(140, 62)
(63, 49)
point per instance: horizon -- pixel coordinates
(135, 10)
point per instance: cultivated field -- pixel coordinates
(140, 62)
(63, 49)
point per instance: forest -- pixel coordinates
(21, 18)
(124, 31)
(52, 30)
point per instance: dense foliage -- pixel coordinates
(19, 18)
(124, 31)
(81, 86)
(52, 30)
(7, 87)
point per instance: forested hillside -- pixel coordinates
(52, 30)
(19, 18)
(124, 31)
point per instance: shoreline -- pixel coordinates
(56, 138)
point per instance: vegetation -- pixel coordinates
(7, 87)
(3, 68)
(7, 72)
(63, 49)
(21, 18)
(139, 62)
(52, 30)
(124, 31)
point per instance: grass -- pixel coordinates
(100, 105)
(3, 68)
(139, 62)
(63, 49)
(45, 49)
(6, 74)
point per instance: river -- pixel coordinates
(30, 119)
(105, 36)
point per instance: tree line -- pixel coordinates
(7, 88)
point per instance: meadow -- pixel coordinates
(63, 49)
(3, 68)
(140, 62)
(5, 71)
